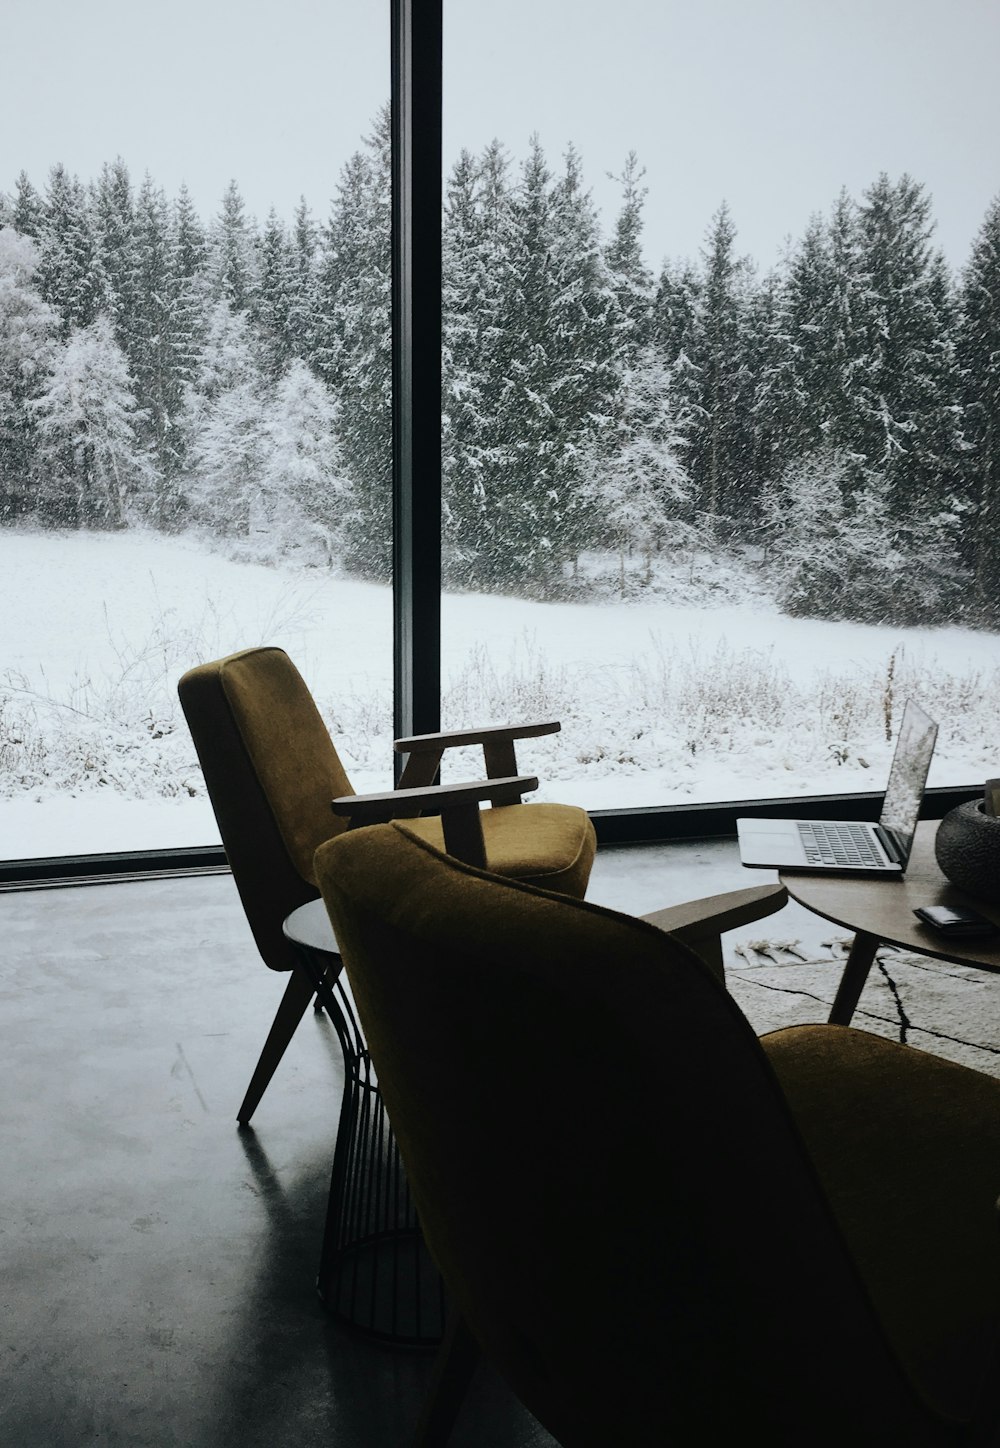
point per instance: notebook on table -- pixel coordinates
(853, 847)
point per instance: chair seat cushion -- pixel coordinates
(907, 1147)
(548, 845)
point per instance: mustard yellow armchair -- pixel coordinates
(660, 1229)
(273, 775)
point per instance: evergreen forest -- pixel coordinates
(834, 422)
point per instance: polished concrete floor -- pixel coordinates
(157, 1264)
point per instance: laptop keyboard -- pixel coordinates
(840, 844)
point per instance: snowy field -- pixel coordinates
(661, 701)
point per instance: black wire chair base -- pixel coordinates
(375, 1272)
(388, 1289)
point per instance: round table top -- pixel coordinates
(310, 926)
(884, 908)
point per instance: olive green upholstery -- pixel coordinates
(907, 1147)
(550, 845)
(661, 1229)
(272, 770)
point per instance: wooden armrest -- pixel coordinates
(700, 924)
(373, 809)
(457, 804)
(716, 914)
(449, 738)
(425, 750)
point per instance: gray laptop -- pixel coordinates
(851, 847)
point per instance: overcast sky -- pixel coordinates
(770, 104)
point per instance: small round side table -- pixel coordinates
(882, 910)
(375, 1272)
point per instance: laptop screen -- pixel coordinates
(907, 777)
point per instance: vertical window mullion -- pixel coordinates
(416, 364)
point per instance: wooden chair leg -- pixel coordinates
(852, 982)
(298, 993)
(454, 1367)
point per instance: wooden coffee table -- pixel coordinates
(881, 912)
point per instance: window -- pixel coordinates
(718, 477)
(717, 480)
(194, 276)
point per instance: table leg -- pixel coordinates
(859, 963)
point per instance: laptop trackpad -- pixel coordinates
(770, 842)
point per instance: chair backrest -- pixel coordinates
(271, 770)
(605, 1168)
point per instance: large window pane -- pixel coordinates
(721, 378)
(194, 395)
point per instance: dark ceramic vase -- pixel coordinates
(968, 850)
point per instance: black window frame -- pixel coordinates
(416, 105)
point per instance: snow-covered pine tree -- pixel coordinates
(303, 301)
(341, 256)
(519, 460)
(224, 432)
(188, 287)
(674, 334)
(27, 210)
(481, 239)
(807, 317)
(232, 261)
(229, 353)
(93, 461)
(162, 353)
(822, 357)
(28, 331)
(70, 274)
(354, 346)
(907, 416)
(979, 359)
(113, 209)
(820, 547)
(675, 308)
(275, 293)
(908, 393)
(843, 332)
(474, 263)
(771, 414)
(588, 355)
(301, 491)
(841, 551)
(226, 458)
(630, 278)
(551, 379)
(719, 445)
(638, 487)
(636, 482)
(189, 245)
